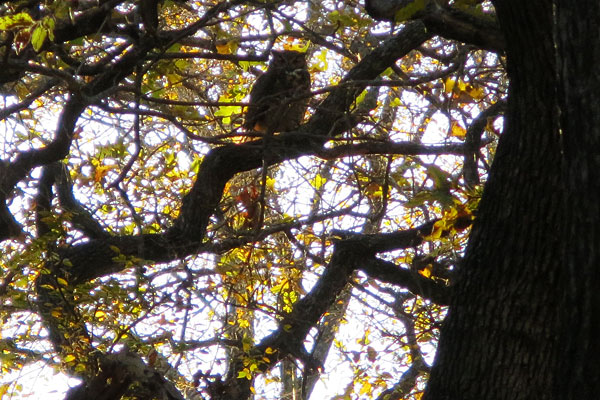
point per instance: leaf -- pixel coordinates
(457, 131)
(245, 373)
(419, 199)
(438, 229)
(366, 388)
(449, 85)
(340, 19)
(41, 32)
(227, 111)
(38, 37)
(247, 64)
(69, 358)
(426, 272)
(227, 48)
(20, 20)
(101, 172)
(322, 61)
(100, 315)
(477, 93)
(413, 7)
(361, 97)
(441, 179)
(318, 181)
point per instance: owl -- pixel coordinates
(279, 97)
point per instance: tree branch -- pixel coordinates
(481, 31)
(389, 272)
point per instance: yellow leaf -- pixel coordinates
(438, 229)
(449, 85)
(322, 62)
(101, 172)
(476, 93)
(366, 388)
(318, 181)
(426, 272)
(20, 20)
(222, 48)
(100, 315)
(69, 358)
(457, 131)
(242, 323)
(46, 286)
(62, 282)
(245, 373)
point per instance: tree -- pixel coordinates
(524, 316)
(152, 248)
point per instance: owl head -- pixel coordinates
(288, 59)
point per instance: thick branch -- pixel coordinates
(80, 217)
(404, 148)
(451, 23)
(117, 374)
(389, 272)
(381, 242)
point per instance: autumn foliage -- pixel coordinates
(152, 248)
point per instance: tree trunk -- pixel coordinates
(525, 314)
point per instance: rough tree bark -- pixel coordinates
(525, 312)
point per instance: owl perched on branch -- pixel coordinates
(279, 97)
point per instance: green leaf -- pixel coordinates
(419, 199)
(441, 179)
(38, 37)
